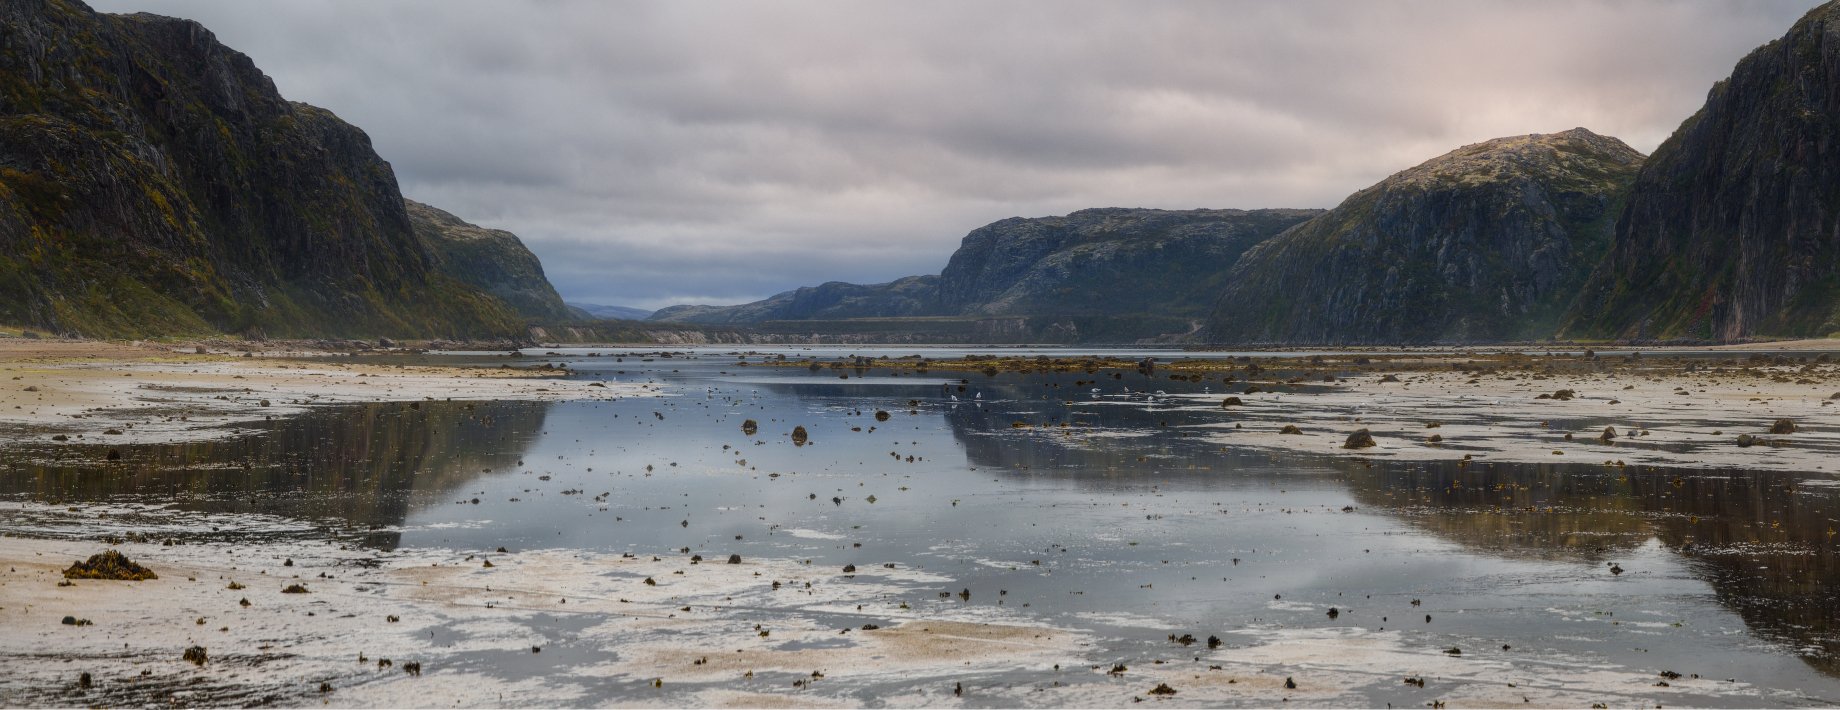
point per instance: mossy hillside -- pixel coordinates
(1486, 243)
(152, 181)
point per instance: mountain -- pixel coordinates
(593, 311)
(910, 296)
(1732, 228)
(1073, 274)
(153, 181)
(492, 260)
(1488, 242)
(1104, 261)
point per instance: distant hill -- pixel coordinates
(1488, 242)
(492, 260)
(588, 311)
(154, 182)
(1092, 272)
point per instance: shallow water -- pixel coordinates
(1126, 524)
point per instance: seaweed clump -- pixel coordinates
(109, 565)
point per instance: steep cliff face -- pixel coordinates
(492, 260)
(910, 296)
(1488, 242)
(152, 181)
(1732, 229)
(1104, 261)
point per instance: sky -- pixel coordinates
(656, 153)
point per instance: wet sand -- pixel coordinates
(111, 393)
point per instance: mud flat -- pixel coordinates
(539, 628)
(113, 393)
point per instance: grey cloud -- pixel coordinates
(652, 152)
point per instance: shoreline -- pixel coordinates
(112, 393)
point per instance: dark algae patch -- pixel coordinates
(109, 565)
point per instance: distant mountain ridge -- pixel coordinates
(595, 310)
(153, 181)
(1106, 262)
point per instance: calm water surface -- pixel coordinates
(1128, 524)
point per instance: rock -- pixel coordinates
(1289, 684)
(881, 415)
(196, 655)
(1608, 436)
(1783, 426)
(1290, 429)
(1746, 441)
(1360, 439)
(1564, 395)
(1162, 689)
(1389, 378)
(109, 565)
(1231, 402)
(849, 569)
(799, 437)
(294, 589)
(749, 427)
(734, 559)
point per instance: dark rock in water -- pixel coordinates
(749, 427)
(1729, 230)
(799, 437)
(1564, 395)
(1290, 429)
(1162, 689)
(1608, 436)
(1783, 426)
(1213, 642)
(1486, 242)
(196, 655)
(85, 681)
(1746, 441)
(734, 559)
(1334, 612)
(109, 565)
(881, 415)
(294, 589)
(1231, 402)
(1289, 684)
(1360, 439)
(849, 569)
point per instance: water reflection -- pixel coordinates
(1764, 541)
(360, 465)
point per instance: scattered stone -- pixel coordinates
(294, 589)
(749, 427)
(1290, 429)
(1361, 439)
(196, 655)
(1608, 436)
(109, 565)
(734, 559)
(799, 437)
(1162, 689)
(1783, 426)
(881, 415)
(1231, 402)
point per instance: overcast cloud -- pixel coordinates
(654, 153)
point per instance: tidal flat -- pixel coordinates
(637, 527)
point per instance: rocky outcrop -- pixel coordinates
(910, 296)
(1732, 229)
(492, 260)
(1486, 243)
(152, 181)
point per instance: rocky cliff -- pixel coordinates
(1486, 243)
(492, 260)
(153, 181)
(1732, 229)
